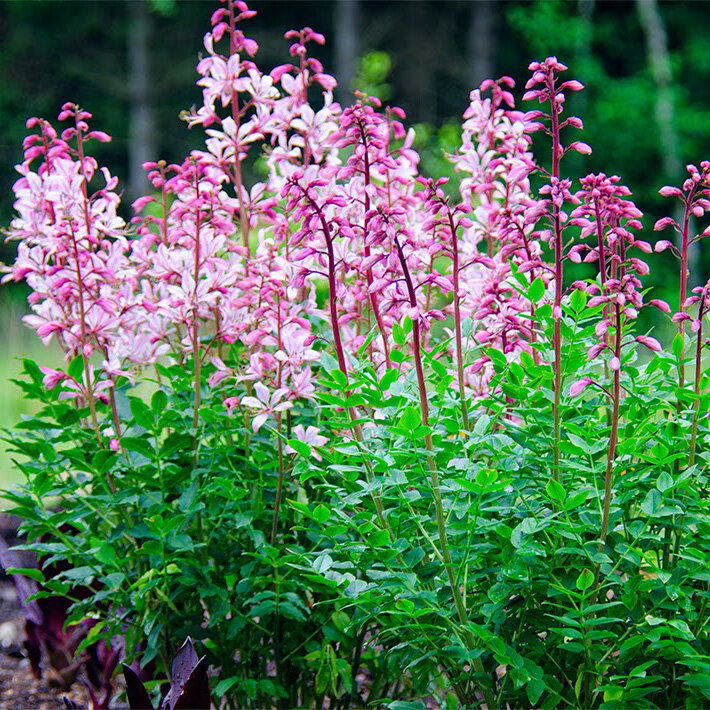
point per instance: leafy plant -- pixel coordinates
(350, 429)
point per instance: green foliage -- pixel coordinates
(181, 546)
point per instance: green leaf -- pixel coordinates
(410, 419)
(139, 446)
(300, 447)
(328, 362)
(30, 572)
(398, 334)
(224, 685)
(534, 689)
(470, 486)
(321, 514)
(576, 499)
(378, 538)
(76, 368)
(159, 402)
(677, 345)
(141, 414)
(536, 290)
(94, 634)
(578, 300)
(103, 459)
(652, 502)
(665, 482)
(388, 379)
(340, 379)
(585, 580)
(555, 490)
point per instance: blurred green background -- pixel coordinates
(646, 108)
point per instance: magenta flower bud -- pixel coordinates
(615, 363)
(650, 343)
(581, 147)
(663, 223)
(578, 387)
(601, 328)
(661, 305)
(595, 350)
(100, 136)
(670, 191)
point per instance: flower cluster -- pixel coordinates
(209, 262)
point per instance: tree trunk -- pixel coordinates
(347, 21)
(481, 41)
(141, 127)
(660, 65)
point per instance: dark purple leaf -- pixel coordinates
(189, 687)
(196, 693)
(138, 698)
(33, 647)
(100, 665)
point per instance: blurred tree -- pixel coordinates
(347, 48)
(669, 142)
(52, 51)
(141, 132)
(481, 41)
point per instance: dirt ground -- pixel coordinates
(19, 690)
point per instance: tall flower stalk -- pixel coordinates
(550, 91)
(610, 218)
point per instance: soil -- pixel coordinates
(19, 689)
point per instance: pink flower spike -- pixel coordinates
(114, 445)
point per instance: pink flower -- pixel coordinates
(266, 403)
(310, 436)
(52, 377)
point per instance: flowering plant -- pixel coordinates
(349, 428)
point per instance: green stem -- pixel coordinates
(436, 489)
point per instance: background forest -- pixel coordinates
(645, 65)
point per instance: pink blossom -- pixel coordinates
(310, 436)
(267, 403)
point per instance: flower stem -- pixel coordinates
(457, 321)
(436, 489)
(614, 434)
